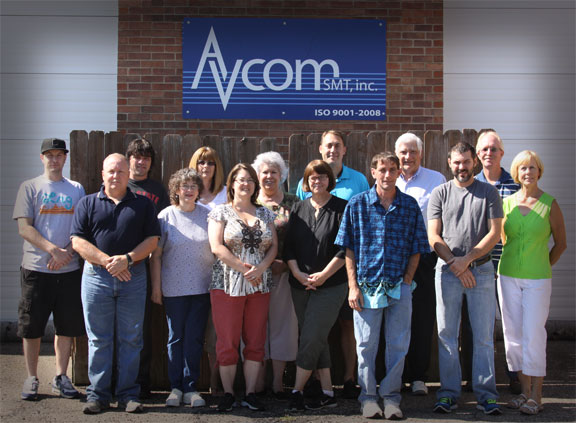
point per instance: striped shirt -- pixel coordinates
(506, 187)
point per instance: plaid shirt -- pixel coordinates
(382, 242)
(506, 187)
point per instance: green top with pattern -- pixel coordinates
(525, 254)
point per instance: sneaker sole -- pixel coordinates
(64, 395)
(251, 407)
(442, 410)
(198, 403)
(493, 412)
(321, 407)
(29, 397)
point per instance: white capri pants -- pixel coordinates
(524, 304)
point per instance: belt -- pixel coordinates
(480, 262)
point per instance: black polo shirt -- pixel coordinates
(115, 228)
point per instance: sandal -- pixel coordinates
(531, 407)
(516, 403)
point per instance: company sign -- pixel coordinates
(292, 69)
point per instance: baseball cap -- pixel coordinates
(53, 144)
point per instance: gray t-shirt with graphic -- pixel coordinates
(50, 205)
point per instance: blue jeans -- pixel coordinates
(367, 325)
(481, 311)
(113, 311)
(186, 316)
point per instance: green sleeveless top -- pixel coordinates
(525, 254)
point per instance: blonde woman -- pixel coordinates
(531, 216)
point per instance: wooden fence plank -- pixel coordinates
(435, 152)
(376, 143)
(190, 144)
(172, 157)
(79, 158)
(228, 154)
(356, 147)
(267, 144)
(297, 145)
(95, 158)
(248, 149)
(114, 143)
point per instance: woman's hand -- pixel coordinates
(253, 274)
(316, 279)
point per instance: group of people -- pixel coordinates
(248, 272)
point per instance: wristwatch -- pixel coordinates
(130, 261)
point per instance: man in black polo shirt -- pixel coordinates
(140, 154)
(114, 230)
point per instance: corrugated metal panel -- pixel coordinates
(511, 66)
(59, 73)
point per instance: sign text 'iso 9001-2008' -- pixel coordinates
(293, 69)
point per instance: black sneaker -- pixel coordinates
(226, 402)
(313, 388)
(296, 402)
(252, 402)
(349, 390)
(324, 401)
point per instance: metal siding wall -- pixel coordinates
(511, 66)
(58, 73)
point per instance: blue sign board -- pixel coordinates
(290, 69)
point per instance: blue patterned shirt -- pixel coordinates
(506, 187)
(382, 241)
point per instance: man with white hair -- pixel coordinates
(418, 182)
(490, 150)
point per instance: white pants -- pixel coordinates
(525, 304)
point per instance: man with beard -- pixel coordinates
(464, 223)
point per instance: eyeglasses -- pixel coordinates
(206, 162)
(319, 178)
(186, 187)
(491, 149)
(243, 181)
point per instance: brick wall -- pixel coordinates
(150, 64)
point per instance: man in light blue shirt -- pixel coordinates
(418, 182)
(349, 182)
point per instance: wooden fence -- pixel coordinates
(173, 152)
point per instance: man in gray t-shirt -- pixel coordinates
(50, 271)
(464, 223)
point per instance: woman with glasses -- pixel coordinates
(243, 238)
(181, 269)
(206, 162)
(318, 279)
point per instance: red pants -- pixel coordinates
(236, 317)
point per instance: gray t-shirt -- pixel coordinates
(186, 256)
(50, 205)
(465, 213)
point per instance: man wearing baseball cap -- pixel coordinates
(50, 270)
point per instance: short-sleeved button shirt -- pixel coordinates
(382, 241)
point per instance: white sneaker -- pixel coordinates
(392, 412)
(194, 399)
(174, 399)
(371, 410)
(419, 388)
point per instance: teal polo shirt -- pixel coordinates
(348, 184)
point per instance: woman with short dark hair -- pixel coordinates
(318, 279)
(181, 269)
